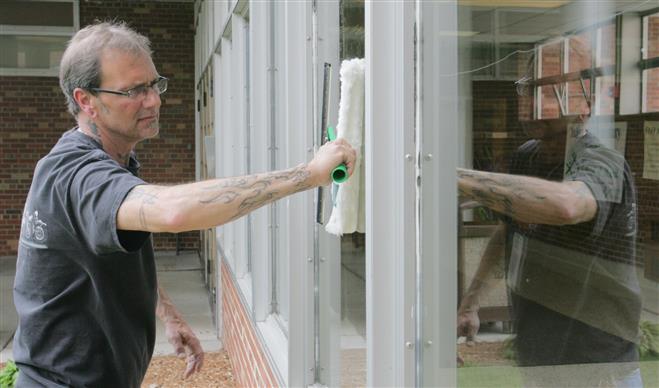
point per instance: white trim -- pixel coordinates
(438, 130)
(296, 74)
(18, 72)
(390, 187)
(276, 346)
(36, 30)
(259, 33)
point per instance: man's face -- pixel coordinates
(132, 119)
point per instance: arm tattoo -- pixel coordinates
(147, 198)
(255, 190)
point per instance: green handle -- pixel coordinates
(340, 173)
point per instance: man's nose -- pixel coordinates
(152, 99)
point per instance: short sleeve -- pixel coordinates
(95, 195)
(603, 171)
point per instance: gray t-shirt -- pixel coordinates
(85, 292)
(576, 298)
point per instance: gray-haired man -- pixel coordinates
(86, 290)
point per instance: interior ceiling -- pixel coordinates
(545, 18)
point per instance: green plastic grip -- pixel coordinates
(340, 173)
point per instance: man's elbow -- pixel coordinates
(174, 221)
(574, 212)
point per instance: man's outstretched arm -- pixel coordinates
(205, 204)
(528, 199)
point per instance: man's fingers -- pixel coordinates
(470, 339)
(194, 363)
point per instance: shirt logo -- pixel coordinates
(33, 229)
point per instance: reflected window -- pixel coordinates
(650, 63)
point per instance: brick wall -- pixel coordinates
(247, 357)
(34, 114)
(33, 117)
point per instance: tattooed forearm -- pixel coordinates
(202, 205)
(528, 199)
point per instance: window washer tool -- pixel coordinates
(340, 173)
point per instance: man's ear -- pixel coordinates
(85, 101)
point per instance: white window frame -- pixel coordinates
(390, 193)
(40, 31)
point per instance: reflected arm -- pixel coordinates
(528, 199)
(483, 279)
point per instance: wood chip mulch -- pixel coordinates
(167, 371)
(484, 353)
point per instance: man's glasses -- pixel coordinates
(159, 85)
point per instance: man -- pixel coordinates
(86, 290)
(568, 236)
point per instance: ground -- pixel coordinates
(483, 353)
(167, 371)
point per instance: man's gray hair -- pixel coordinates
(81, 63)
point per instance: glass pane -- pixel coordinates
(353, 256)
(606, 45)
(578, 95)
(31, 52)
(580, 52)
(651, 38)
(604, 98)
(550, 101)
(651, 90)
(558, 258)
(36, 13)
(519, 58)
(551, 59)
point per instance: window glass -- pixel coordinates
(551, 59)
(580, 53)
(606, 43)
(558, 252)
(650, 74)
(34, 35)
(31, 52)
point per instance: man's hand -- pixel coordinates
(468, 325)
(185, 344)
(179, 334)
(328, 157)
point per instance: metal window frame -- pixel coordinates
(390, 193)
(436, 160)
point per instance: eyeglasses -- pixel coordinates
(159, 85)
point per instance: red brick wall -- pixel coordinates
(247, 357)
(33, 118)
(34, 114)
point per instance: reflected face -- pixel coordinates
(131, 118)
(550, 129)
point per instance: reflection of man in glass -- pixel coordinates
(568, 237)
